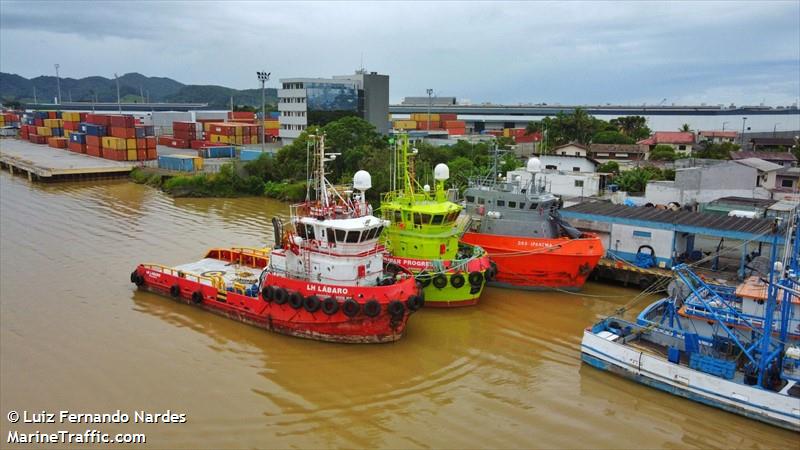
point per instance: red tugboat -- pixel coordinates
(326, 279)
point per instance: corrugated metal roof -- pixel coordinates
(677, 218)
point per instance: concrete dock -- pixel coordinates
(44, 163)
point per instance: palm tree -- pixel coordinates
(685, 127)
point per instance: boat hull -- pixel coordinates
(451, 294)
(284, 318)
(540, 264)
(759, 404)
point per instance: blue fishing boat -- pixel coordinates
(745, 362)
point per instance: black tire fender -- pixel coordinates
(281, 296)
(351, 308)
(440, 281)
(457, 280)
(330, 306)
(372, 308)
(396, 308)
(197, 297)
(175, 291)
(424, 278)
(475, 278)
(296, 300)
(312, 303)
(414, 303)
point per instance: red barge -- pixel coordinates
(326, 279)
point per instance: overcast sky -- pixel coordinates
(504, 52)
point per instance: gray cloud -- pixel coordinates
(568, 52)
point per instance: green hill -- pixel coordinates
(132, 87)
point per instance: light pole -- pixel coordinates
(723, 125)
(430, 93)
(58, 85)
(119, 103)
(741, 140)
(775, 128)
(263, 77)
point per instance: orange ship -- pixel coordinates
(517, 222)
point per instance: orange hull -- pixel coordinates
(534, 263)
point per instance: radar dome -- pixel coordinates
(426, 188)
(534, 165)
(362, 180)
(441, 172)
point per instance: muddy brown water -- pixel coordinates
(76, 335)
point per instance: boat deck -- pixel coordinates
(231, 273)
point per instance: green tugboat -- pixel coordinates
(424, 237)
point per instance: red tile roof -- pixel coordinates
(719, 134)
(669, 137)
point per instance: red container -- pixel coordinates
(38, 122)
(51, 115)
(36, 139)
(82, 116)
(141, 144)
(241, 115)
(456, 131)
(76, 147)
(446, 117)
(152, 154)
(178, 143)
(141, 155)
(98, 119)
(94, 141)
(183, 134)
(184, 126)
(245, 140)
(164, 139)
(122, 121)
(71, 125)
(454, 124)
(57, 142)
(150, 142)
(423, 125)
(126, 133)
(93, 150)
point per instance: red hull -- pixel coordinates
(531, 263)
(294, 321)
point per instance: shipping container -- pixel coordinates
(57, 142)
(218, 152)
(249, 154)
(182, 163)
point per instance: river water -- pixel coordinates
(75, 335)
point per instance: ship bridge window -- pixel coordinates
(352, 237)
(512, 204)
(340, 235)
(470, 199)
(521, 205)
(533, 206)
(452, 216)
(438, 219)
(331, 236)
(301, 230)
(501, 203)
(370, 234)
(426, 219)
(310, 231)
(417, 219)
(481, 200)
(398, 216)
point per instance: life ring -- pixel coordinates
(475, 278)
(424, 278)
(372, 308)
(440, 281)
(415, 302)
(396, 308)
(197, 297)
(268, 293)
(312, 303)
(330, 306)
(457, 280)
(280, 296)
(296, 300)
(350, 308)
(175, 291)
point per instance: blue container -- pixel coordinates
(58, 131)
(179, 163)
(274, 114)
(714, 366)
(149, 130)
(77, 137)
(139, 132)
(41, 115)
(92, 129)
(250, 154)
(673, 355)
(218, 152)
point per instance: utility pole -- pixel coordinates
(34, 96)
(58, 85)
(119, 102)
(263, 77)
(141, 93)
(723, 125)
(741, 140)
(430, 93)
(775, 129)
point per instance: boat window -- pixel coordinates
(533, 206)
(521, 205)
(512, 204)
(301, 230)
(387, 214)
(371, 234)
(340, 234)
(470, 199)
(417, 219)
(398, 216)
(310, 231)
(352, 237)
(501, 203)
(481, 200)
(426, 219)
(380, 230)
(331, 236)
(437, 219)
